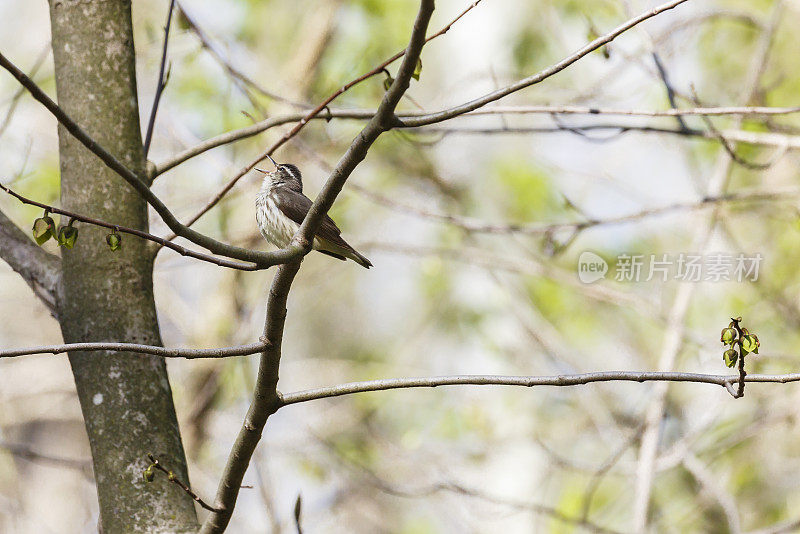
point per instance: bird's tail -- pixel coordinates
(341, 250)
(360, 259)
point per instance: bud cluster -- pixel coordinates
(739, 341)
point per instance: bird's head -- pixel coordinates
(284, 175)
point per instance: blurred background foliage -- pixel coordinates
(443, 299)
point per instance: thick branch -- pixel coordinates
(266, 399)
(223, 352)
(40, 270)
(384, 120)
(525, 381)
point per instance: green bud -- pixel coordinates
(114, 241)
(750, 343)
(728, 336)
(171, 476)
(43, 229)
(417, 69)
(729, 357)
(387, 83)
(67, 235)
(149, 474)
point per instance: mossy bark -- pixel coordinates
(108, 296)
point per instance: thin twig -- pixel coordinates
(312, 114)
(262, 259)
(728, 146)
(132, 231)
(223, 352)
(525, 381)
(481, 227)
(662, 73)
(162, 83)
(365, 114)
(175, 480)
(742, 374)
(21, 91)
(22, 451)
(675, 328)
(298, 507)
(239, 77)
(544, 74)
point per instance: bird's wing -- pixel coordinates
(296, 205)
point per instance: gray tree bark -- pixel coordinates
(125, 398)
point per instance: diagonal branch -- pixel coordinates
(442, 115)
(132, 231)
(262, 260)
(546, 73)
(313, 113)
(40, 270)
(21, 91)
(240, 79)
(266, 399)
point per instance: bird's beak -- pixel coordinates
(272, 160)
(260, 170)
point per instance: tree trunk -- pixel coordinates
(108, 296)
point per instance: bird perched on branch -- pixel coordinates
(281, 207)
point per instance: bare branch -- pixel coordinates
(40, 270)
(175, 480)
(662, 73)
(546, 73)
(133, 231)
(312, 114)
(525, 381)
(21, 91)
(365, 114)
(675, 327)
(162, 82)
(266, 399)
(224, 352)
(481, 227)
(22, 451)
(708, 480)
(240, 78)
(262, 260)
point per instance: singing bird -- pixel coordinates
(281, 207)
